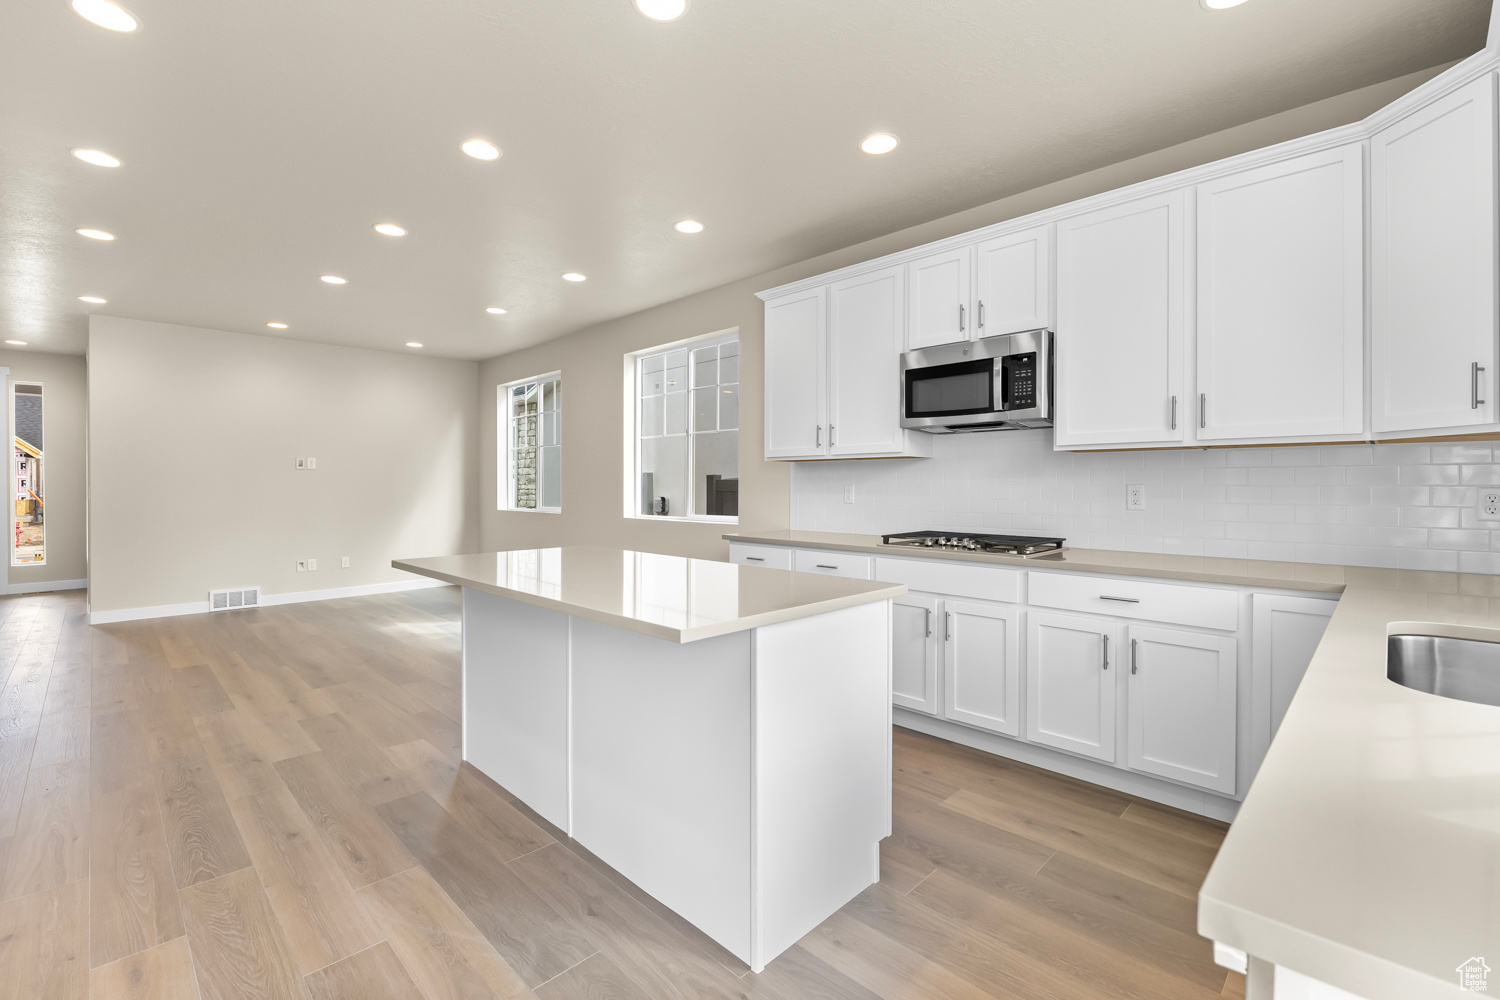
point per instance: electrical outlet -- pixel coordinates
(1489, 505)
(346, 562)
(312, 463)
(1135, 498)
(312, 564)
(301, 463)
(849, 493)
(301, 565)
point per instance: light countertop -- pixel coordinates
(1367, 851)
(668, 597)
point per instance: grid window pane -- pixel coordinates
(551, 476)
(706, 409)
(551, 428)
(729, 369)
(676, 413)
(651, 416)
(729, 407)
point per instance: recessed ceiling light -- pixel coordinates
(389, 229)
(333, 279)
(95, 234)
(277, 326)
(689, 226)
(1219, 4)
(96, 300)
(97, 157)
(480, 150)
(662, 10)
(495, 310)
(412, 343)
(880, 142)
(106, 14)
(575, 276)
(16, 343)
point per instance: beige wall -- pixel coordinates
(591, 359)
(192, 440)
(64, 398)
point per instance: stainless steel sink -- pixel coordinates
(1465, 669)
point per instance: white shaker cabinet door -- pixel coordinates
(1182, 696)
(865, 335)
(1281, 300)
(1071, 666)
(938, 299)
(982, 666)
(1432, 265)
(914, 646)
(1013, 283)
(796, 397)
(1121, 315)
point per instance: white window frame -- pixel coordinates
(10, 473)
(633, 400)
(505, 428)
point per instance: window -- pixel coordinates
(531, 427)
(29, 535)
(687, 430)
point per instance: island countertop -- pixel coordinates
(1366, 853)
(669, 597)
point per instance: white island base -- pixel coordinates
(744, 780)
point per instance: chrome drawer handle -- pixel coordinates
(1174, 413)
(928, 612)
(1133, 654)
(1123, 600)
(948, 626)
(755, 558)
(1106, 651)
(1474, 401)
(825, 566)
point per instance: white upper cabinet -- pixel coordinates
(864, 347)
(1281, 300)
(1432, 266)
(938, 299)
(1013, 283)
(1120, 324)
(796, 335)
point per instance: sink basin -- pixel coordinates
(1466, 669)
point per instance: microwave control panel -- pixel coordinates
(1019, 380)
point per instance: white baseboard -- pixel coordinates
(42, 586)
(1130, 782)
(266, 600)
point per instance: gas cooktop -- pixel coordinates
(1016, 545)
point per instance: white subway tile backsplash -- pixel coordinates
(1408, 506)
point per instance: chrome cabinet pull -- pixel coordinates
(981, 314)
(1202, 409)
(1133, 643)
(948, 626)
(755, 558)
(818, 441)
(1174, 413)
(1105, 637)
(825, 566)
(928, 613)
(1474, 401)
(1125, 600)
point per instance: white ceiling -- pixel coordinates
(261, 140)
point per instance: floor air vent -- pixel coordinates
(228, 600)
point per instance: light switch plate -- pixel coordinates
(312, 564)
(1489, 504)
(301, 463)
(312, 463)
(1135, 498)
(301, 565)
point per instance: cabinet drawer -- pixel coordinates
(760, 555)
(988, 583)
(856, 567)
(1152, 602)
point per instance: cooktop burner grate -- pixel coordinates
(1019, 545)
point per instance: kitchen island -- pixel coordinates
(719, 734)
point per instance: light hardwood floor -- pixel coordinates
(269, 804)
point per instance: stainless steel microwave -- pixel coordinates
(995, 384)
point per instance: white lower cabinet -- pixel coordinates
(914, 654)
(1182, 698)
(1071, 666)
(982, 666)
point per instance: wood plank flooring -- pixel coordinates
(269, 804)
